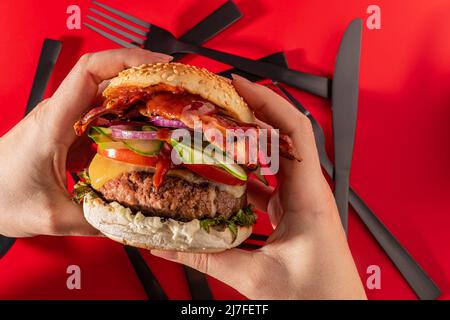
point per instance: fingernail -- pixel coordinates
(237, 77)
(164, 57)
(169, 255)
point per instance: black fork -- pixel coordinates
(154, 38)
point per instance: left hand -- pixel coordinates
(34, 198)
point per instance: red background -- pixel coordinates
(401, 160)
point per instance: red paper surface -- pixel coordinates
(401, 159)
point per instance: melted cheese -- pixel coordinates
(103, 169)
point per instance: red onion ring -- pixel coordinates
(124, 132)
(102, 122)
(163, 122)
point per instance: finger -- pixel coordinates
(79, 88)
(224, 266)
(262, 197)
(263, 124)
(280, 114)
(258, 194)
(99, 96)
(302, 187)
(70, 221)
(269, 106)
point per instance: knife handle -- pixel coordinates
(198, 284)
(341, 194)
(213, 24)
(416, 277)
(47, 59)
(5, 244)
(317, 85)
(149, 282)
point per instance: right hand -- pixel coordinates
(307, 255)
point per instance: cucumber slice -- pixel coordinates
(186, 153)
(104, 131)
(191, 155)
(100, 135)
(236, 170)
(144, 147)
(149, 128)
(111, 145)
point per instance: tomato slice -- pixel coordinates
(126, 155)
(214, 173)
(207, 171)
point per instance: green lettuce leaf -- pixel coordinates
(243, 218)
(82, 188)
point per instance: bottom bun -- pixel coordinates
(122, 225)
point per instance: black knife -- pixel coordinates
(278, 59)
(151, 286)
(417, 278)
(5, 244)
(47, 59)
(344, 101)
(213, 24)
(49, 54)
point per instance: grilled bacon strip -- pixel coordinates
(150, 102)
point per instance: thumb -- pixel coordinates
(69, 220)
(229, 266)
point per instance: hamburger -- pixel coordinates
(150, 186)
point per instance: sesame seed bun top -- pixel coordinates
(199, 81)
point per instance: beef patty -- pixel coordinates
(175, 198)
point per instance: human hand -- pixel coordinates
(34, 198)
(307, 255)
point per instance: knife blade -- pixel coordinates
(344, 112)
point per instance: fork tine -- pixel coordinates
(123, 43)
(138, 21)
(121, 32)
(120, 23)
